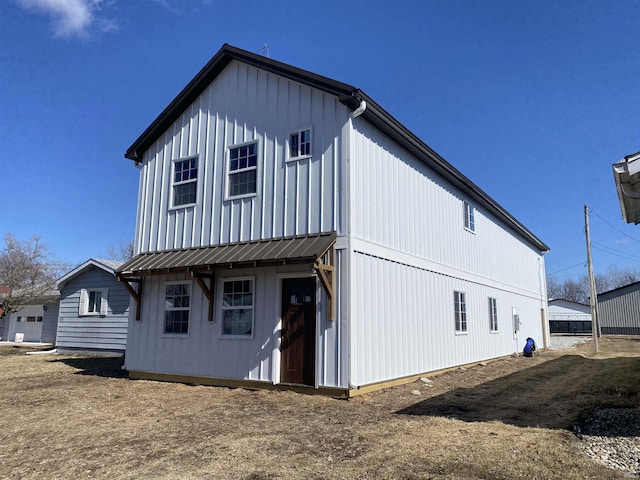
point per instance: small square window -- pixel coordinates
(242, 171)
(469, 217)
(185, 178)
(300, 144)
(93, 301)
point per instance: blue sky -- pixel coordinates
(533, 101)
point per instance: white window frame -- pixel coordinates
(176, 309)
(493, 315)
(460, 312)
(226, 308)
(469, 217)
(230, 172)
(298, 155)
(175, 184)
(83, 304)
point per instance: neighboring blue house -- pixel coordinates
(94, 308)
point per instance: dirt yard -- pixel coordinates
(68, 417)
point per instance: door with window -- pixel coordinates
(298, 341)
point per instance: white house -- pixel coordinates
(290, 232)
(94, 308)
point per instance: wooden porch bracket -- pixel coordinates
(326, 273)
(136, 295)
(208, 290)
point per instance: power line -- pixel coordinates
(612, 226)
(568, 268)
(614, 252)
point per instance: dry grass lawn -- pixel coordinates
(67, 417)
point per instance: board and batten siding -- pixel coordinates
(243, 104)
(204, 351)
(108, 332)
(411, 252)
(619, 311)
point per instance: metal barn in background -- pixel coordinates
(619, 310)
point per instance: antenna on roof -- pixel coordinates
(265, 50)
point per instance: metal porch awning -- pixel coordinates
(202, 262)
(300, 249)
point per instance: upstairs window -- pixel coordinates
(185, 179)
(243, 161)
(300, 144)
(177, 300)
(460, 308)
(493, 315)
(93, 301)
(469, 217)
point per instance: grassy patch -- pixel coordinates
(69, 416)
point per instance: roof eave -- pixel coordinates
(386, 123)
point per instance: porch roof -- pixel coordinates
(296, 249)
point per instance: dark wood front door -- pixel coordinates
(298, 346)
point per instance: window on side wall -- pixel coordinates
(242, 170)
(300, 144)
(93, 302)
(185, 180)
(237, 307)
(460, 308)
(177, 301)
(469, 217)
(493, 315)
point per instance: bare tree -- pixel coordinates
(577, 290)
(121, 253)
(28, 269)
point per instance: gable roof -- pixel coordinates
(108, 266)
(348, 95)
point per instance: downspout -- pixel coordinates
(350, 200)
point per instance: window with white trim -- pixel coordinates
(177, 302)
(493, 315)
(469, 217)
(30, 319)
(242, 170)
(460, 307)
(237, 307)
(185, 181)
(93, 302)
(300, 144)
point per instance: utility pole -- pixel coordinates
(592, 283)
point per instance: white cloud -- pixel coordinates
(70, 17)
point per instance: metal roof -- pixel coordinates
(297, 249)
(351, 97)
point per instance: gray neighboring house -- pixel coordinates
(569, 317)
(619, 310)
(94, 308)
(35, 322)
